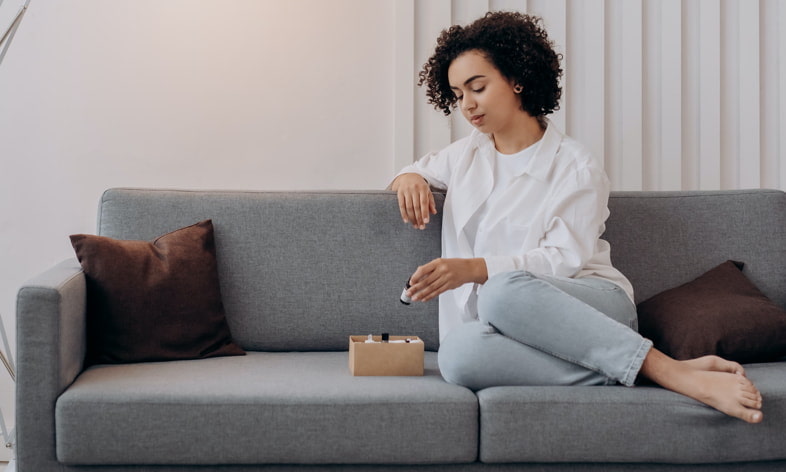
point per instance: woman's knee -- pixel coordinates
(503, 291)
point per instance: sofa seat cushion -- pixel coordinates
(293, 407)
(628, 424)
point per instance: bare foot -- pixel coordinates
(710, 380)
(715, 363)
(732, 394)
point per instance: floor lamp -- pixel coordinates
(7, 35)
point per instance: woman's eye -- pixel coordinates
(479, 90)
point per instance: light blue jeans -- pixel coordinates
(542, 331)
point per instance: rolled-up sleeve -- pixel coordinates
(437, 167)
(432, 167)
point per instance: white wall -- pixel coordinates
(319, 94)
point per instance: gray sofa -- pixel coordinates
(299, 273)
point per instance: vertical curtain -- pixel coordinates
(673, 94)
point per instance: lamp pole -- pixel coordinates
(8, 34)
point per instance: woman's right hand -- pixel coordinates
(415, 200)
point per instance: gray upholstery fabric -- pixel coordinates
(660, 240)
(50, 333)
(764, 466)
(298, 270)
(628, 424)
(296, 407)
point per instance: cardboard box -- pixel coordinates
(390, 358)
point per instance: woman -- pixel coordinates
(527, 292)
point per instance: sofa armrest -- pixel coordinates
(51, 348)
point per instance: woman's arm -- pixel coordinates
(415, 182)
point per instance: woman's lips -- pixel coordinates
(476, 119)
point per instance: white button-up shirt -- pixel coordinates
(548, 220)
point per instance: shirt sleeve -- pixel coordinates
(573, 224)
(437, 167)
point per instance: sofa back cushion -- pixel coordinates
(304, 270)
(661, 240)
(297, 270)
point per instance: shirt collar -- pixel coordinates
(540, 164)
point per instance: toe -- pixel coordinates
(749, 415)
(754, 417)
(751, 402)
(746, 384)
(724, 365)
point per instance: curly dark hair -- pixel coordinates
(515, 43)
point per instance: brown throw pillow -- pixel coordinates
(154, 301)
(721, 312)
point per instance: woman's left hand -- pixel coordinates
(440, 275)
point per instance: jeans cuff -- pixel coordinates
(633, 370)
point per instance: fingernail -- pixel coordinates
(425, 220)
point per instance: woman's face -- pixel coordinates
(485, 96)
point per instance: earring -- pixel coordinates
(518, 89)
